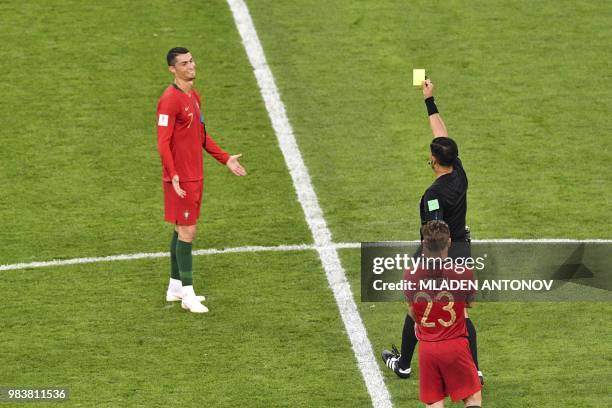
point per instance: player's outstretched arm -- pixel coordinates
(234, 165)
(435, 120)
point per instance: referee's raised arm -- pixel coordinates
(435, 120)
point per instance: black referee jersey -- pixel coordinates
(446, 200)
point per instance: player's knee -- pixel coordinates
(474, 400)
(186, 233)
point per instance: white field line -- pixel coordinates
(149, 255)
(312, 211)
(277, 248)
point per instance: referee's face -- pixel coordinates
(432, 162)
(184, 68)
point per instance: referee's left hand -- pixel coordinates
(234, 165)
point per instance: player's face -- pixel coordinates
(184, 68)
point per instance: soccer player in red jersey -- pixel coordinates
(445, 361)
(181, 136)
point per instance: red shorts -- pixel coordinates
(186, 210)
(446, 368)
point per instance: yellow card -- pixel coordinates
(418, 77)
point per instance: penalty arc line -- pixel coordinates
(313, 213)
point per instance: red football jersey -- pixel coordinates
(181, 135)
(438, 302)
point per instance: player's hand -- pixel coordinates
(234, 165)
(427, 89)
(177, 187)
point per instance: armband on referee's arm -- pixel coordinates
(432, 109)
(438, 128)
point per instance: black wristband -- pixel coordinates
(432, 109)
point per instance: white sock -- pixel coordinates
(175, 285)
(188, 291)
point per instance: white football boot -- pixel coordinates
(191, 302)
(175, 291)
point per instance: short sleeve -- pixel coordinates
(458, 167)
(431, 207)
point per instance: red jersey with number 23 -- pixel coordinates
(439, 313)
(181, 135)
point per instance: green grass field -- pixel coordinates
(523, 87)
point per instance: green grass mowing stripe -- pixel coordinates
(68, 323)
(312, 211)
(273, 336)
(532, 354)
(82, 141)
(510, 85)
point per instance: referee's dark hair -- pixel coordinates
(435, 235)
(445, 150)
(171, 56)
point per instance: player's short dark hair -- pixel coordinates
(435, 235)
(171, 56)
(445, 150)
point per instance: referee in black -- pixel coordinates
(446, 200)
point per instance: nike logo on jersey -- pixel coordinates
(187, 108)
